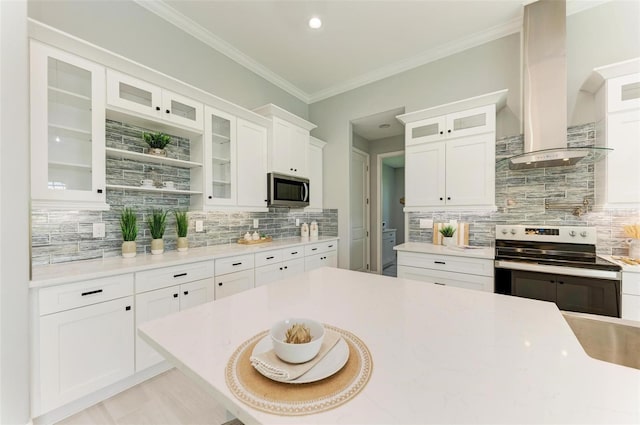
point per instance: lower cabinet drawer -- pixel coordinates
(631, 307)
(174, 275)
(477, 266)
(460, 280)
(80, 294)
(234, 264)
(233, 283)
(268, 257)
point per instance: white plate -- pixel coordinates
(332, 362)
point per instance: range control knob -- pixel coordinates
(513, 231)
(505, 231)
(572, 233)
(583, 233)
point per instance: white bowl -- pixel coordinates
(296, 353)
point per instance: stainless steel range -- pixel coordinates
(558, 264)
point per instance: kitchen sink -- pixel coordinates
(608, 339)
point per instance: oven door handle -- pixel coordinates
(570, 271)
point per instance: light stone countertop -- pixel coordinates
(57, 274)
(625, 267)
(428, 248)
(440, 354)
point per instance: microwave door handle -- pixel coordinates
(305, 197)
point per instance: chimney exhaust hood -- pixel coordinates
(545, 90)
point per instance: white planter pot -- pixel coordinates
(448, 241)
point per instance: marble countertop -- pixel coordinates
(440, 354)
(56, 274)
(428, 248)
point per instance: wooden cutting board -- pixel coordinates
(461, 235)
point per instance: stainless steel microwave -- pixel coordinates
(287, 191)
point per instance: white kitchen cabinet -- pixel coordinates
(166, 290)
(288, 144)
(631, 296)
(462, 272)
(457, 124)
(85, 339)
(233, 283)
(425, 174)
(388, 242)
(278, 264)
(162, 302)
(470, 171)
(321, 254)
(252, 164)
(140, 97)
(236, 152)
(618, 175)
(316, 148)
(67, 130)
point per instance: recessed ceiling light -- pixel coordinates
(315, 23)
(384, 125)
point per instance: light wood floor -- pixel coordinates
(169, 398)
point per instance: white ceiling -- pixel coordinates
(361, 41)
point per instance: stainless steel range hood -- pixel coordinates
(545, 90)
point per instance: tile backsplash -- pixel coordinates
(521, 196)
(61, 236)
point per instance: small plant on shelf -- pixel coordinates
(157, 223)
(129, 227)
(447, 234)
(157, 142)
(182, 227)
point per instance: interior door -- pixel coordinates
(359, 247)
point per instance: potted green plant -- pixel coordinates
(129, 227)
(447, 235)
(182, 226)
(157, 142)
(157, 222)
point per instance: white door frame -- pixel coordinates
(367, 207)
(381, 157)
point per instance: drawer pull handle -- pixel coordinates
(270, 258)
(237, 264)
(294, 252)
(127, 308)
(179, 275)
(97, 291)
(440, 262)
(175, 295)
(314, 249)
(330, 246)
(438, 283)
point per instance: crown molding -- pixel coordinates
(196, 30)
(473, 40)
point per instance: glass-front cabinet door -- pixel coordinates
(220, 148)
(67, 130)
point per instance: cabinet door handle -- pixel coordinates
(237, 264)
(97, 291)
(168, 111)
(448, 198)
(448, 131)
(441, 199)
(210, 197)
(186, 292)
(157, 108)
(175, 295)
(179, 274)
(99, 190)
(440, 262)
(127, 308)
(280, 268)
(285, 267)
(442, 132)
(270, 258)
(219, 283)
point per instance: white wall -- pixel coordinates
(130, 30)
(14, 214)
(487, 68)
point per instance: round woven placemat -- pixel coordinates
(263, 394)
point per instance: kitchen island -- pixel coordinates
(440, 354)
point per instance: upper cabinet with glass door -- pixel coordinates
(137, 96)
(220, 158)
(67, 130)
(457, 124)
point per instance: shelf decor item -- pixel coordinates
(157, 223)
(447, 235)
(182, 226)
(157, 142)
(129, 227)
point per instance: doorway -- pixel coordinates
(390, 207)
(359, 207)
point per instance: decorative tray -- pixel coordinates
(252, 242)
